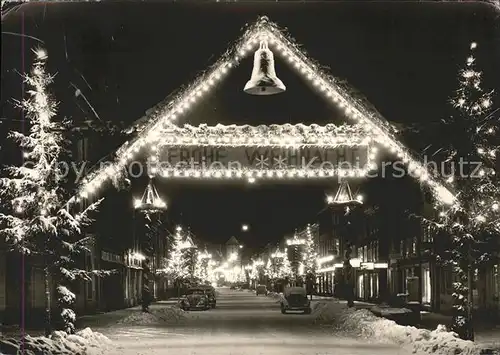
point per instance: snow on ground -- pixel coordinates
(275, 295)
(84, 342)
(365, 325)
(241, 324)
(238, 344)
(387, 311)
(244, 324)
(161, 315)
(327, 311)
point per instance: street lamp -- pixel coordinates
(343, 199)
(151, 201)
(244, 228)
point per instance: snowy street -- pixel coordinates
(242, 323)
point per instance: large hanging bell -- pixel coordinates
(264, 80)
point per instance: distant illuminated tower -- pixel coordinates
(232, 247)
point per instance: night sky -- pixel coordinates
(126, 57)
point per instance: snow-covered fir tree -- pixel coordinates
(254, 273)
(39, 221)
(310, 255)
(211, 276)
(287, 266)
(190, 263)
(241, 276)
(472, 223)
(278, 266)
(269, 270)
(300, 269)
(203, 267)
(176, 265)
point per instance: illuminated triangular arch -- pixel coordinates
(171, 110)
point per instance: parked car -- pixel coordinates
(295, 299)
(210, 292)
(261, 290)
(195, 298)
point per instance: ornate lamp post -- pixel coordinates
(344, 200)
(150, 203)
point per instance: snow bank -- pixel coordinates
(275, 295)
(387, 311)
(84, 342)
(156, 316)
(327, 311)
(438, 341)
(364, 324)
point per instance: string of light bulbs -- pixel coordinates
(166, 114)
(286, 135)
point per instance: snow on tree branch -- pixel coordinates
(37, 219)
(470, 228)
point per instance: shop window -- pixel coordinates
(361, 287)
(370, 287)
(427, 234)
(37, 288)
(426, 285)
